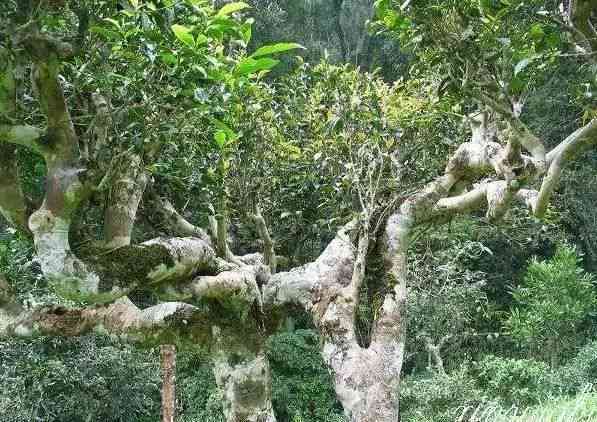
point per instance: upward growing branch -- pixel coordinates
(269, 254)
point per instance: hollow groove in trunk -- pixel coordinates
(371, 295)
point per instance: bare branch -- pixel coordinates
(579, 17)
(526, 138)
(128, 181)
(46, 53)
(269, 253)
(557, 158)
(313, 285)
(176, 222)
(240, 285)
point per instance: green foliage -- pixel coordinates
(302, 385)
(332, 30)
(78, 380)
(197, 397)
(482, 49)
(580, 408)
(190, 86)
(23, 274)
(519, 382)
(553, 301)
(578, 373)
(435, 397)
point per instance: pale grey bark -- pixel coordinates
(365, 379)
(269, 254)
(174, 221)
(580, 139)
(243, 379)
(121, 318)
(190, 255)
(129, 180)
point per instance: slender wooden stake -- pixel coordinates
(168, 363)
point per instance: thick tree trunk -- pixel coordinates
(126, 190)
(13, 206)
(366, 379)
(51, 224)
(12, 201)
(244, 382)
(168, 365)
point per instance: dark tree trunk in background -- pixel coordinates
(168, 364)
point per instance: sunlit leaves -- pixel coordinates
(250, 65)
(269, 50)
(230, 8)
(184, 34)
(220, 138)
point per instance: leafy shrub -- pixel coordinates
(437, 397)
(513, 381)
(578, 373)
(556, 297)
(198, 399)
(77, 380)
(301, 384)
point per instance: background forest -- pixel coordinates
(502, 316)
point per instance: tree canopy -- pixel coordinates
(179, 173)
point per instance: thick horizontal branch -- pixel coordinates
(120, 318)
(187, 255)
(25, 135)
(313, 285)
(241, 285)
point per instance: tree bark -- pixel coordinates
(126, 190)
(168, 365)
(366, 379)
(244, 382)
(269, 253)
(13, 206)
(12, 201)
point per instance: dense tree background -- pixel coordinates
(500, 314)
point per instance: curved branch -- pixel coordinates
(557, 158)
(579, 16)
(176, 222)
(313, 285)
(525, 137)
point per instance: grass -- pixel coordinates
(582, 408)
